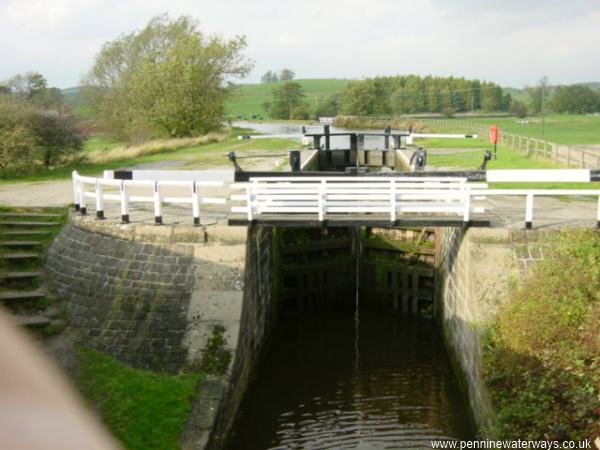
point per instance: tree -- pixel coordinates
(286, 99)
(518, 108)
(538, 95)
(286, 75)
(269, 77)
(575, 99)
(168, 79)
(329, 107)
(31, 137)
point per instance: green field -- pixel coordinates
(559, 128)
(249, 98)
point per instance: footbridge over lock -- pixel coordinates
(325, 199)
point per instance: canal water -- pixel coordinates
(337, 381)
(295, 132)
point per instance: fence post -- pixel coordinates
(582, 159)
(99, 201)
(124, 203)
(392, 200)
(529, 211)
(535, 151)
(555, 151)
(195, 204)
(249, 201)
(322, 188)
(467, 200)
(82, 200)
(568, 156)
(157, 205)
(74, 176)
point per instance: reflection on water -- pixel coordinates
(295, 132)
(313, 392)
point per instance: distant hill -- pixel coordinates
(250, 97)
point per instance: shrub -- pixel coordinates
(542, 361)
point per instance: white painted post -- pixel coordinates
(157, 205)
(467, 202)
(196, 204)
(529, 211)
(249, 201)
(392, 200)
(124, 202)
(322, 188)
(74, 176)
(99, 201)
(82, 200)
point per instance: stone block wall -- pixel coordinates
(259, 315)
(125, 298)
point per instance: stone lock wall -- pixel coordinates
(127, 299)
(477, 269)
(148, 299)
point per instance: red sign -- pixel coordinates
(493, 134)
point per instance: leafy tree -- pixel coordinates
(575, 99)
(359, 98)
(269, 77)
(410, 94)
(518, 108)
(329, 107)
(31, 137)
(286, 75)
(168, 79)
(538, 95)
(286, 99)
(33, 87)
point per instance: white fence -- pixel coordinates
(125, 192)
(324, 197)
(396, 197)
(334, 196)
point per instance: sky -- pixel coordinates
(511, 42)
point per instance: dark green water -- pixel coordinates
(328, 383)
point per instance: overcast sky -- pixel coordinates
(511, 42)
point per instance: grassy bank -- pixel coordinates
(560, 128)
(143, 409)
(200, 153)
(249, 98)
(542, 360)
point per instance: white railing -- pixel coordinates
(126, 192)
(267, 198)
(335, 196)
(326, 197)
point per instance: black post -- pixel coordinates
(495, 150)
(326, 130)
(317, 142)
(295, 160)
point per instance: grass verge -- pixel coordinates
(143, 409)
(542, 358)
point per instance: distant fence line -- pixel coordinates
(582, 156)
(585, 157)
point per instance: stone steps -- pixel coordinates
(31, 321)
(20, 275)
(22, 295)
(19, 256)
(13, 233)
(17, 223)
(31, 215)
(19, 243)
